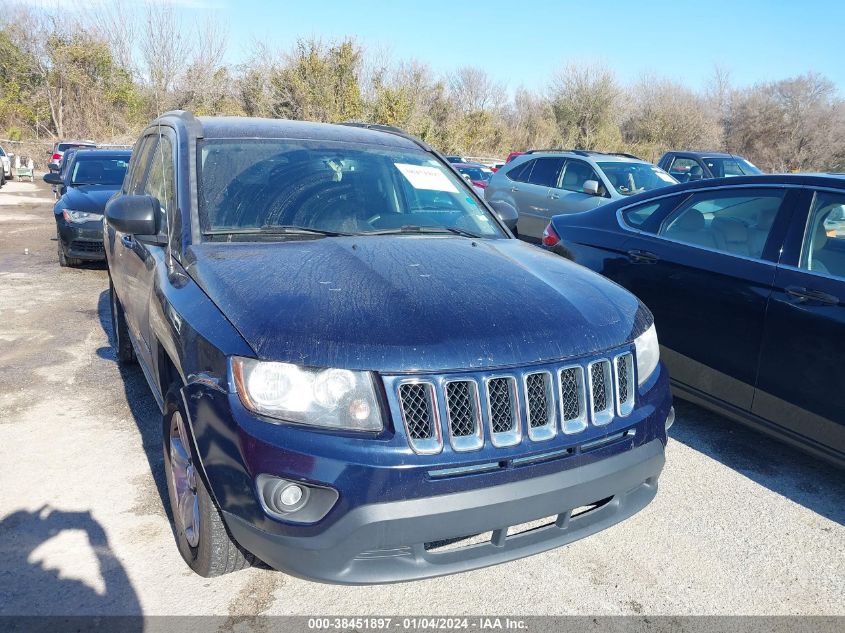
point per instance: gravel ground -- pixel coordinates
(741, 524)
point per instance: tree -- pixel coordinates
(585, 99)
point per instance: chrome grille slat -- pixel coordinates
(463, 415)
(418, 404)
(573, 399)
(624, 383)
(539, 405)
(600, 378)
(503, 410)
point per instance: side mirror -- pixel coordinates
(52, 178)
(591, 187)
(506, 213)
(135, 215)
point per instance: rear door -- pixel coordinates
(705, 268)
(537, 195)
(802, 372)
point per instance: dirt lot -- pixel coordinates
(741, 524)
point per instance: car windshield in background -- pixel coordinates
(631, 178)
(63, 147)
(98, 171)
(726, 167)
(476, 173)
(254, 189)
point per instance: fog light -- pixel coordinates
(293, 500)
(670, 419)
(290, 495)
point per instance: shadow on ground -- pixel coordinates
(800, 477)
(142, 404)
(33, 587)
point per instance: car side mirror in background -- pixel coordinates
(52, 178)
(591, 187)
(135, 215)
(506, 213)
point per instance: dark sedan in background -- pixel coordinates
(746, 281)
(687, 166)
(89, 179)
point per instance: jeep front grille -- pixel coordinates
(502, 408)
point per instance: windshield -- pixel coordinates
(98, 171)
(726, 167)
(476, 173)
(253, 188)
(631, 178)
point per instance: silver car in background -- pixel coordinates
(543, 183)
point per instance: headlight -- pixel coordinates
(648, 354)
(331, 398)
(80, 217)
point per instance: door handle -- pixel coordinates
(642, 257)
(128, 241)
(803, 295)
(554, 196)
(514, 189)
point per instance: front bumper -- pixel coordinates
(397, 541)
(83, 241)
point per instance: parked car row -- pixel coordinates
(364, 377)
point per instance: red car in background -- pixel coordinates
(513, 155)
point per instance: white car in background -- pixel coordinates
(6, 164)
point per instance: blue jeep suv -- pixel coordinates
(363, 377)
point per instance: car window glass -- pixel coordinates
(139, 165)
(824, 242)
(161, 183)
(686, 169)
(729, 221)
(546, 172)
(520, 173)
(576, 173)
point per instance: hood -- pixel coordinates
(91, 198)
(409, 303)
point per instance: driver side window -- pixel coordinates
(576, 173)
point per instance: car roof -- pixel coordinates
(258, 128)
(585, 154)
(701, 154)
(104, 153)
(836, 181)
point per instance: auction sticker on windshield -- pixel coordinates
(425, 177)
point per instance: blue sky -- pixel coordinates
(522, 42)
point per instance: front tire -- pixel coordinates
(64, 260)
(122, 345)
(201, 535)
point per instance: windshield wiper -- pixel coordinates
(415, 228)
(273, 229)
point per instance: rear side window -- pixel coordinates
(824, 241)
(729, 221)
(546, 172)
(520, 173)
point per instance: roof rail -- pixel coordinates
(580, 152)
(624, 155)
(389, 129)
